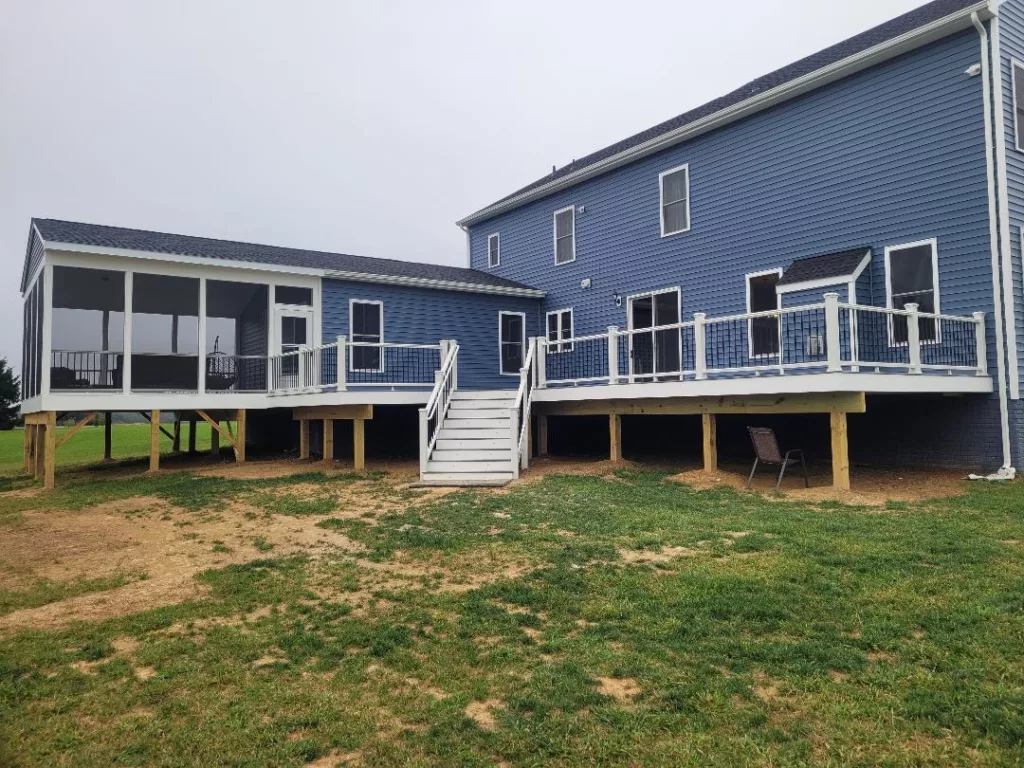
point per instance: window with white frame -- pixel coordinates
(1018, 105)
(511, 342)
(559, 330)
(675, 200)
(762, 296)
(912, 277)
(366, 325)
(565, 235)
(493, 250)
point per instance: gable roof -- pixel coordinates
(913, 29)
(55, 233)
(844, 264)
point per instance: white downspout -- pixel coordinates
(986, 89)
(469, 247)
(1005, 236)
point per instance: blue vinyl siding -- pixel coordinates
(33, 258)
(814, 295)
(423, 316)
(890, 155)
(1011, 34)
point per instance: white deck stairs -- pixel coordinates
(475, 446)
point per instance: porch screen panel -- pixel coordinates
(237, 332)
(87, 329)
(165, 333)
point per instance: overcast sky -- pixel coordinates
(362, 127)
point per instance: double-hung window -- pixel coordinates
(366, 323)
(493, 250)
(559, 330)
(911, 272)
(675, 200)
(565, 235)
(1018, 105)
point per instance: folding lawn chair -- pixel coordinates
(766, 450)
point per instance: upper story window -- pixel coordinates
(675, 200)
(565, 235)
(559, 329)
(1018, 105)
(493, 250)
(912, 277)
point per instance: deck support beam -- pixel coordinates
(108, 437)
(154, 441)
(542, 434)
(359, 444)
(709, 427)
(840, 451)
(50, 451)
(192, 435)
(304, 439)
(176, 441)
(328, 451)
(236, 440)
(26, 448)
(615, 436)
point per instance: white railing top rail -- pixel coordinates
(905, 312)
(524, 375)
(447, 366)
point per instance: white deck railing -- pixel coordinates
(521, 407)
(826, 337)
(432, 415)
(344, 364)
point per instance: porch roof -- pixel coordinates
(844, 264)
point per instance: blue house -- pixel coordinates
(840, 237)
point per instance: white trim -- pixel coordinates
(777, 271)
(428, 282)
(558, 346)
(554, 234)
(523, 316)
(1014, 64)
(351, 335)
(934, 243)
(828, 282)
(1005, 251)
(889, 49)
(661, 199)
(871, 383)
(496, 236)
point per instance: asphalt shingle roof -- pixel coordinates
(840, 264)
(54, 230)
(918, 17)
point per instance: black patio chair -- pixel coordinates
(767, 451)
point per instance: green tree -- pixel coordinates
(9, 397)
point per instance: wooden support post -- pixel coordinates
(542, 434)
(328, 440)
(215, 439)
(108, 436)
(710, 428)
(241, 422)
(50, 451)
(192, 435)
(37, 451)
(176, 442)
(840, 452)
(304, 439)
(26, 448)
(359, 444)
(615, 436)
(154, 441)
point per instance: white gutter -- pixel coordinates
(915, 38)
(442, 285)
(1005, 237)
(986, 88)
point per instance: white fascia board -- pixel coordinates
(852, 64)
(827, 282)
(204, 261)
(871, 383)
(426, 282)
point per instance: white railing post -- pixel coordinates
(455, 364)
(613, 354)
(301, 356)
(980, 343)
(542, 363)
(913, 337)
(833, 345)
(700, 350)
(513, 417)
(424, 440)
(342, 364)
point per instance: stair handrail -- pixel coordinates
(446, 381)
(522, 407)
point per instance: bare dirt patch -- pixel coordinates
(871, 487)
(482, 713)
(623, 689)
(663, 555)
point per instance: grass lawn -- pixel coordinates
(128, 441)
(624, 620)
